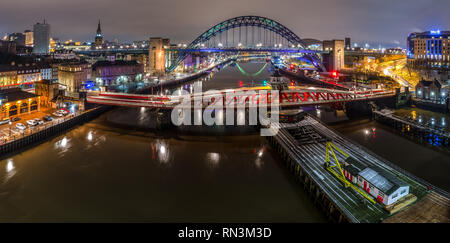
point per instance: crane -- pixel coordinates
(339, 174)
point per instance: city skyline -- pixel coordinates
(363, 21)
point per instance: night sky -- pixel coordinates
(376, 21)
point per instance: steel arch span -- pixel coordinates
(243, 21)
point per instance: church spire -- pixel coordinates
(99, 29)
(99, 37)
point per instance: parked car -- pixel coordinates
(16, 119)
(20, 126)
(47, 118)
(4, 121)
(57, 114)
(38, 121)
(31, 123)
(63, 112)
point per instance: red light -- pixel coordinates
(292, 83)
(292, 66)
(241, 84)
(334, 74)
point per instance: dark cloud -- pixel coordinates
(386, 21)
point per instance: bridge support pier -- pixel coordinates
(318, 197)
(163, 119)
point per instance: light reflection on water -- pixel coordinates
(10, 170)
(62, 146)
(213, 160)
(161, 151)
(80, 177)
(425, 117)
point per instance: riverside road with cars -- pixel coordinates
(11, 129)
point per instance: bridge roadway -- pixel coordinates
(224, 49)
(310, 158)
(295, 96)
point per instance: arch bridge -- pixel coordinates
(248, 33)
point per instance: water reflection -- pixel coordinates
(259, 162)
(9, 166)
(160, 151)
(213, 160)
(10, 169)
(414, 115)
(426, 118)
(94, 139)
(62, 146)
(369, 133)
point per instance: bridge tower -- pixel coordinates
(157, 55)
(334, 61)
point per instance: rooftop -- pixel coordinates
(353, 166)
(14, 94)
(428, 83)
(115, 63)
(431, 33)
(384, 181)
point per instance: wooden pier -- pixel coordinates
(420, 132)
(305, 159)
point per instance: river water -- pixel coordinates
(100, 172)
(105, 172)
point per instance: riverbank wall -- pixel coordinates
(40, 134)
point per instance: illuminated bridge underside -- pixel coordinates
(297, 96)
(245, 21)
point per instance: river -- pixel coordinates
(100, 172)
(104, 172)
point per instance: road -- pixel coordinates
(11, 132)
(387, 71)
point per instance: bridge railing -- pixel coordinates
(248, 98)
